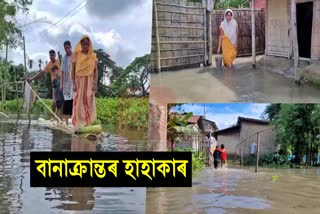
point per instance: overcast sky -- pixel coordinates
(225, 115)
(120, 27)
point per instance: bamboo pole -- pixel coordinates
(241, 156)
(210, 36)
(253, 34)
(157, 36)
(45, 105)
(295, 40)
(257, 155)
(49, 109)
(205, 35)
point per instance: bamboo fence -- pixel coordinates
(179, 34)
(243, 18)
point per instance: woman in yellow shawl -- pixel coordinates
(84, 74)
(228, 39)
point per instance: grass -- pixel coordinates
(122, 112)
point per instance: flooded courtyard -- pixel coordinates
(16, 196)
(241, 84)
(241, 191)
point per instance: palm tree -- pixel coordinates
(40, 64)
(30, 63)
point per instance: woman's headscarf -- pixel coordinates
(230, 28)
(85, 64)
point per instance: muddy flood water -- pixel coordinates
(214, 191)
(241, 84)
(16, 196)
(241, 191)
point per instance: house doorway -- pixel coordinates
(304, 28)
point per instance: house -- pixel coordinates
(202, 127)
(244, 132)
(279, 31)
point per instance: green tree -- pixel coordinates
(178, 128)
(139, 74)
(272, 111)
(10, 34)
(224, 4)
(106, 68)
(297, 128)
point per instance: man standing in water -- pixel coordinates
(67, 85)
(48, 69)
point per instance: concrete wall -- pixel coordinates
(267, 138)
(157, 133)
(230, 141)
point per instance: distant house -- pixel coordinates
(202, 127)
(245, 128)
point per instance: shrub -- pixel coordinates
(269, 160)
(198, 159)
(122, 112)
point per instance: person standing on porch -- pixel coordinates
(228, 39)
(84, 75)
(67, 83)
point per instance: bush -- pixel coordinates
(269, 160)
(198, 159)
(122, 112)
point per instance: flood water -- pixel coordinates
(241, 84)
(241, 191)
(16, 196)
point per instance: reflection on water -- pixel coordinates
(16, 196)
(241, 191)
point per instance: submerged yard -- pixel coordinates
(242, 84)
(241, 191)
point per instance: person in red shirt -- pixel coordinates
(223, 156)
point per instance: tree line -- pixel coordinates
(297, 127)
(113, 80)
(225, 4)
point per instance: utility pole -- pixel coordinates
(204, 111)
(24, 55)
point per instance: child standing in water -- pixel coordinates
(57, 92)
(223, 156)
